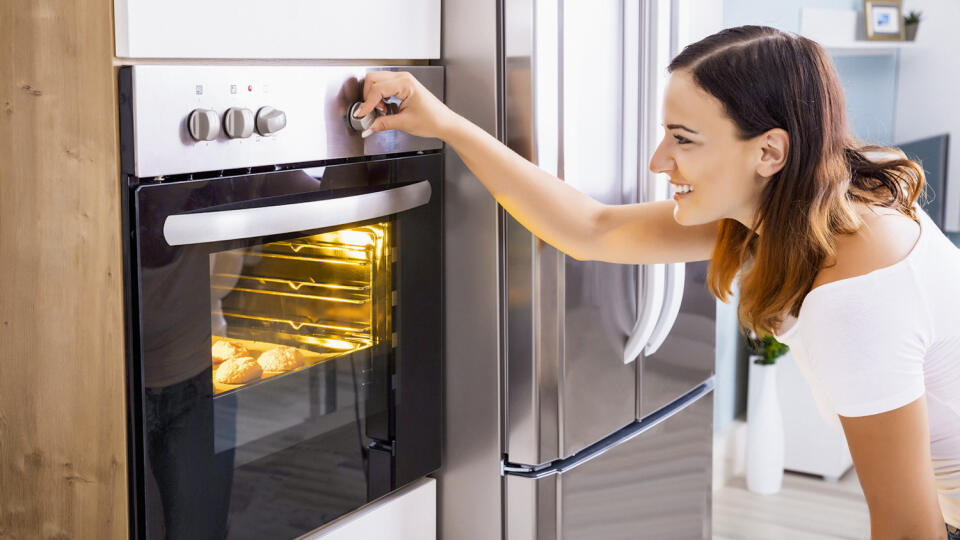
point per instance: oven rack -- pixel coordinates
(312, 358)
(302, 258)
(350, 293)
(336, 329)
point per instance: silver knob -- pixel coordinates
(203, 124)
(270, 120)
(238, 123)
(361, 124)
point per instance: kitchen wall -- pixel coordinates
(927, 99)
(870, 82)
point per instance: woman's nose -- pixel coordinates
(660, 161)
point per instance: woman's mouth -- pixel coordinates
(681, 190)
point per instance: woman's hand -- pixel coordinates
(421, 113)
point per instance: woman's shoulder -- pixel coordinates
(886, 238)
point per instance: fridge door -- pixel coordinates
(656, 485)
(571, 86)
(687, 355)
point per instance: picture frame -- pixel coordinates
(883, 20)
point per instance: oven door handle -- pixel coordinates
(220, 225)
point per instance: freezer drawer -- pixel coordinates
(656, 485)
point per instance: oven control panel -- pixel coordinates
(188, 119)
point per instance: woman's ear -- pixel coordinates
(774, 146)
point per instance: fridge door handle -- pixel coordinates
(220, 225)
(616, 438)
(676, 272)
(648, 312)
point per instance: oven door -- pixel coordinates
(287, 358)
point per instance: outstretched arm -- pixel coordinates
(554, 211)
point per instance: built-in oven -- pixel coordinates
(284, 300)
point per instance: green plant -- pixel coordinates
(769, 348)
(912, 17)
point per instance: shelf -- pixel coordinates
(866, 48)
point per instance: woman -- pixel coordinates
(832, 253)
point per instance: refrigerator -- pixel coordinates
(578, 394)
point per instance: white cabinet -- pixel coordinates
(287, 29)
(811, 445)
(409, 514)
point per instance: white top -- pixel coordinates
(876, 342)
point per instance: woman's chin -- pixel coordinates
(681, 215)
(687, 218)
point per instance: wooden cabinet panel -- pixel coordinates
(62, 423)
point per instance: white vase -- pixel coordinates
(764, 430)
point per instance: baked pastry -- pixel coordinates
(280, 359)
(224, 350)
(238, 370)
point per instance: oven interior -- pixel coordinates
(302, 301)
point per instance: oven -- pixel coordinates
(284, 300)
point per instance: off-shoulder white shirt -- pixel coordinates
(876, 342)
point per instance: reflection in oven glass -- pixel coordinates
(285, 306)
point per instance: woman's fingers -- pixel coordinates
(385, 123)
(419, 113)
(380, 87)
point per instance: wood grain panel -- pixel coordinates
(62, 426)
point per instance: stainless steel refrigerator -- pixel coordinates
(578, 394)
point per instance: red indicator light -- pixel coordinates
(250, 88)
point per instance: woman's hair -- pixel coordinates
(766, 78)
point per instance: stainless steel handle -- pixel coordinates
(217, 226)
(676, 272)
(615, 439)
(650, 302)
(649, 311)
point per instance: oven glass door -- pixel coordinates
(285, 318)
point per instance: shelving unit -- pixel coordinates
(841, 32)
(867, 48)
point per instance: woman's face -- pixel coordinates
(701, 149)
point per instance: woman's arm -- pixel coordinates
(570, 220)
(551, 209)
(891, 453)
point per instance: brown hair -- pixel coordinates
(766, 78)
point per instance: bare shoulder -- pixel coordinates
(885, 239)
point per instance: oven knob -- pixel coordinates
(361, 124)
(270, 120)
(203, 124)
(238, 122)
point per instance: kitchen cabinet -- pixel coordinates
(811, 445)
(63, 466)
(375, 29)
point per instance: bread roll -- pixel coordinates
(280, 359)
(225, 350)
(238, 370)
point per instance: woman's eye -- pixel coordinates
(682, 140)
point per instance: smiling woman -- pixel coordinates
(772, 148)
(773, 189)
(703, 149)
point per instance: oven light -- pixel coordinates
(337, 344)
(329, 343)
(351, 237)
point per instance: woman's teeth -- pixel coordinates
(684, 188)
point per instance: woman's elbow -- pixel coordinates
(588, 233)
